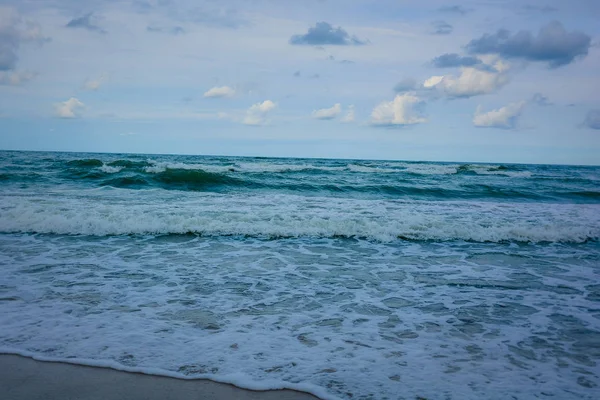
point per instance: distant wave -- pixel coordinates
(274, 167)
(401, 180)
(397, 180)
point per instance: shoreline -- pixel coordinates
(25, 378)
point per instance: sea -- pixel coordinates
(348, 279)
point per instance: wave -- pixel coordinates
(194, 178)
(86, 162)
(280, 216)
(111, 169)
(129, 164)
(153, 166)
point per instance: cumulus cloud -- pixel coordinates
(471, 81)
(505, 117)
(95, 83)
(221, 91)
(85, 22)
(349, 117)
(442, 28)
(592, 119)
(454, 10)
(69, 109)
(328, 113)
(433, 81)
(403, 110)
(553, 45)
(257, 114)
(452, 60)
(405, 85)
(324, 33)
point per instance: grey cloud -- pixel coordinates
(442, 28)
(452, 60)
(324, 33)
(405, 85)
(297, 74)
(540, 100)
(9, 44)
(454, 10)
(85, 22)
(592, 119)
(553, 45)
(175, 30)
(14, 32)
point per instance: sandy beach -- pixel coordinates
(23, 378)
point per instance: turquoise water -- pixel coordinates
(346, 278)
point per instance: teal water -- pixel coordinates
(346, 278)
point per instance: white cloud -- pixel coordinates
(328, 113)
(257, 114)
(94, 84)
(400, 111)
(505, 117)
(70, 108)
(221, 91)
(431, 82)
(472, 81)
(349, 117)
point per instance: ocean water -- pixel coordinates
(347, 279)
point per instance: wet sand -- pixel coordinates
(23, 378)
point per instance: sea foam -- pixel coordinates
(280, 216)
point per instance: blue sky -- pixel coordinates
(489, 81)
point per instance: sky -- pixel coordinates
(480, 81)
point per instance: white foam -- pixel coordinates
(431, 169)
(134, 212)
(451, 169)
(253, 167)
(325, 316)
(158, 167)
(110, 169)
(366, 169)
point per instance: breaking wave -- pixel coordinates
(288, 216)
